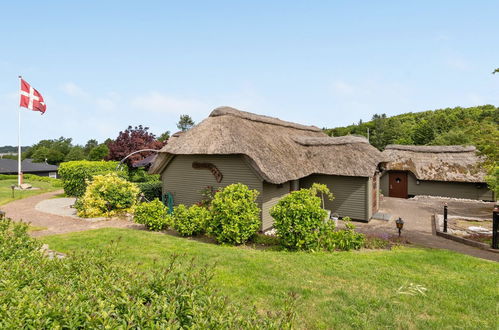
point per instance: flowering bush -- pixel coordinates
(235, 214)
(107, 195)
(190, 221)
(154, 215)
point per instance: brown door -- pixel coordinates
(398, 184)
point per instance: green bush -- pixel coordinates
(154, 215)
(108, 195)
(33, 177)
(190, 221)
(93, 290)
(344, 240)
(75, 175)
(299, 220)
(151, 190)
(235, 214)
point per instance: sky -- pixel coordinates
(104, 65)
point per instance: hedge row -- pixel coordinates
(93, 290)
(151, 190)
(76, 174)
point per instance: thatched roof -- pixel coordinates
(436, 163)
(278, 150)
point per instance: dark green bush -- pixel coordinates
(154, 215)
(76, 174)
(299, 220)
(190, 221)
(93, 290)
(235, 214)
(151, 190)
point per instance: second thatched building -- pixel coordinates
(273, 157)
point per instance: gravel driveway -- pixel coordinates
(42, 211)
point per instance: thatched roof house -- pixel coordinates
(271, 154)
(452, 171)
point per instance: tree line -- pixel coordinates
(133, 138)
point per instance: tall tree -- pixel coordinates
(100, 152)
(164, 137)
(130, 140)
(76, 153)
(92, 143)
(185, 123)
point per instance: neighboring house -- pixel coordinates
(9, 166)
(447, 171)
(273, 157)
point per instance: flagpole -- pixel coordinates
(19, 142)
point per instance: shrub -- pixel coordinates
(154, 215)
(33, 177)
(345, 239)
(75, 175)
(107, 195)
(93, 290)
(151, 190)
(298, 220)
(190, 221)
(235, 214)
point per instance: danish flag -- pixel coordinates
(31, 98)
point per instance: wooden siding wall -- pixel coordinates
(271, 194)
(351, 194)
(444, 189)
(185, 182)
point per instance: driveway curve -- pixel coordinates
(25, 210)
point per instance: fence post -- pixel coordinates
(445, 218)
(495, 227)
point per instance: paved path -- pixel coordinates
(418, 228)
(25, 210)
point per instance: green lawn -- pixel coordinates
(6, 191)
(336, 290)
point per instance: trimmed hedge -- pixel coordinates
(151, 190)
(190, 221)
(33, 177)
(154, 215)
(235, 214)
(76, 174)
(93, 290)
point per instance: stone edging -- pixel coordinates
(436, 231)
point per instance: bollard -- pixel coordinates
(445, 218)
(495, 227)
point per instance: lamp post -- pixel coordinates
(400, 224)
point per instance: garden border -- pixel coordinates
(436, 231)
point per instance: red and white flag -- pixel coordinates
(31, 98)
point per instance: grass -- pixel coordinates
(372, 289)
(32, 228)
(6, 190)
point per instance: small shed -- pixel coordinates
(446, 171)
(272, 156)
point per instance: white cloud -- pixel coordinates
(162, 103)
(74, 90)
